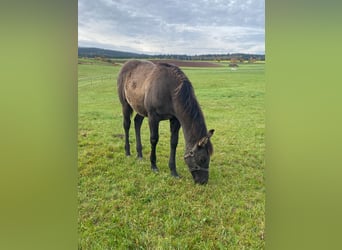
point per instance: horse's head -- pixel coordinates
(198, 159)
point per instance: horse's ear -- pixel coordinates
(205, 139)
(210, 133)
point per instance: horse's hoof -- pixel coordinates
(176, 175)
(139, 158)
(155, 170)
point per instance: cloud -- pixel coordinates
(173, 26)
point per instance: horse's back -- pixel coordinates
(134, 69)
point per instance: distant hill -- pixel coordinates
(106, 53)
(96, 52)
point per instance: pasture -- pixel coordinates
(122, 204)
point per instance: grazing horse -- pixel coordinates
(162, 91)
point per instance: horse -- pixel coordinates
(161, 91)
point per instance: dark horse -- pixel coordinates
(162, 91)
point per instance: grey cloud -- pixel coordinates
(172, 26)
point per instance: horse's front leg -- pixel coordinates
(174, 128)
(154, 137)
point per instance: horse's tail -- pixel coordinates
(126, 108)
(121, 87)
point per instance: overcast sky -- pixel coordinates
(173, 26)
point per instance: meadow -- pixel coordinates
(122, 204)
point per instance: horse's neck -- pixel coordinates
(193, 131)
(189, 113)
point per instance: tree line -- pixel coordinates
(105, 53)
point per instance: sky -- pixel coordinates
(191, 27)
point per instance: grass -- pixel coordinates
(124, 205)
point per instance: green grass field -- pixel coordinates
(124, 205)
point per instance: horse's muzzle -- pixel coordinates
(200, 177)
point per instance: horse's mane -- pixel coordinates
(185, 95)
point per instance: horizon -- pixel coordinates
(163, 54)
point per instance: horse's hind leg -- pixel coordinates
(153, 122)
(138, 119)
(127, 112)
(174, 127)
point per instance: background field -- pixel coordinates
(123, 205)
